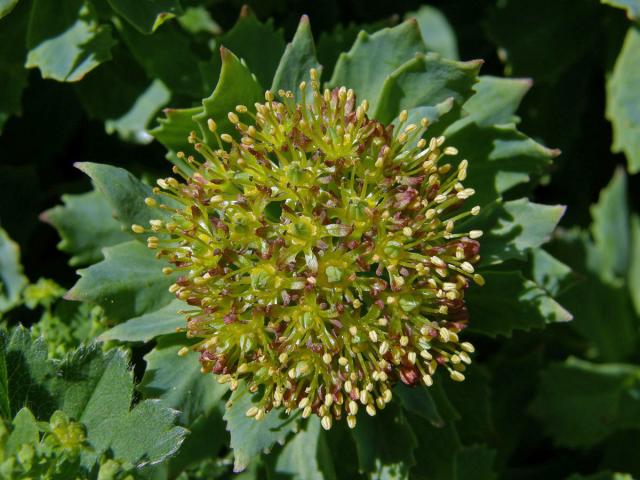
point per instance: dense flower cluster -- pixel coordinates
(320, 253)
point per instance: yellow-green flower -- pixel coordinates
(319, 252)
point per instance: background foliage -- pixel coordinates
(85, 83)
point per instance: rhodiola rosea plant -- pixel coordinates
(310, 278)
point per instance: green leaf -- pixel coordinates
(299, 57)
(610, 228)
(178, 382)
(389, 47)
(174, 129)
(146, 15)
(13, 32)
(512, 229)
(65, 41)
(150, 325)
(500, 158)
(12, 278)
(437, 457)
(5, 406)
(507, 302)
(124, 193)
(603, 312)
(6, 6)
(631, 6)
(198, 20)
(25, 431)
(634, 266)
(418, 401)
(436, 31)
(388, 459)
(257, 43)
(250, 437)
(550, 273)
(425, 80)
(166, 56)
(85, 226)
(472, 400)
(494, 103)
(28, 370)
(127, 283)
(602, 476)
(131, 127)
(96, 389)
(237, 86)
(475, 463)
(305, 456)
(580, 403)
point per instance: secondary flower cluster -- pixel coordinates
(319, 251)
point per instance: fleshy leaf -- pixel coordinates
(257, 43)
(603, 312)
(514, 228)
(550, 273)
(13, 32)
(173, 130)
(25, 430)
(123, 192)
(500, 158)
(508, 302)
(127, 283)
(178, 382)
(299, 57)
(476, 463)
(305, 456)
(425, 80)
(28, 370)
(85, 225)
(610, 228)
(580, 403)
(390, 47)
(12, 278)
(250, 437)
(6, 6)
(237, 86)
(166, 56)
(631, 6)
(634, 267)
(375, 452)
(131, 127)
(65, 41)
(150, 325)
(147, 15)
(436, 31)
(97, 389)
(494, 103)
(418, 400)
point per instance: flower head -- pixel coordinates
(320, 255)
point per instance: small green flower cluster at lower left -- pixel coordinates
(49, 450)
